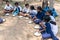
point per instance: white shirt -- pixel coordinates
(33, 12)
(54, 28)
(19, 7)
(8, 7)
(52, 18)
(25, 10)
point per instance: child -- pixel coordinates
(54, 27)
(46, 8)
(33, 12)
(50, 14)
(17, 9)
(26, 8)
(40, 14)
(54, 13)
(8, 8)
(48, 33)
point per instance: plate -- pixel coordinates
(37, 34)
(7, 14)
(37, 27)
(20, 16)
(27, 18)
(4, 20)
(30, 22)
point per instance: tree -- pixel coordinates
(45, 3)
(51, 3)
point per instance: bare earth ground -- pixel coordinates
(18, 29)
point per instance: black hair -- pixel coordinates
(39, 8)
(16, 3)
(46, 18)
(50, 12)
(7, 1)
(26, 4)
(32, 7)
(52, 22)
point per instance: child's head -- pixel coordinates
(27, 5)
(32, 7)
(7, 2)
(46, 18)
(48, 12)
(16, 3)
(39, 8)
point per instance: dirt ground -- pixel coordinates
(19, 29)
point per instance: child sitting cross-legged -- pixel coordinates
(17, 9)
(48, 30)
(33, 12)
(8, 8)
(25, 10)
(39, 16)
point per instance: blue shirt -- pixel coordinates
(40, 15)
(46, 8)
(48, 30)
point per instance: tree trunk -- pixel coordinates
(51, 3)
(44, 3)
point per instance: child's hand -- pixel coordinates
(38, 31)
(34, 18)
(41, 23)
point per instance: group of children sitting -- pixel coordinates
(44, 17)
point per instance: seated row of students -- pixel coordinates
(39, 16)
(27, 9)
(49, 30)
(50, 27)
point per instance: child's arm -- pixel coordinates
(43, 26)
(34, 18)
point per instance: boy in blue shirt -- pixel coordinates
(40, 14)
(48, 32)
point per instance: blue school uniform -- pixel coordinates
(40, 15)
(33, 13)
(54, 13)
(16, 11)
(46, 8)
(49, 31)
(37, 21)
